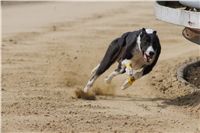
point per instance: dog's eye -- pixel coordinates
(148, 40)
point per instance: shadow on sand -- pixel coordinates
(192, 99)
(129, 98)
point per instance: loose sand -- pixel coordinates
(48, 51)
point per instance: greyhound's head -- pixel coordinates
(147, 43)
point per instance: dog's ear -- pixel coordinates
(154, 32)
(143, 32)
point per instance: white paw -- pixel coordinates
(107, 80)
(85, 89)
(125, 85)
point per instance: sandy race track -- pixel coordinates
(48, 51)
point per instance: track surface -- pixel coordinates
(44, 61)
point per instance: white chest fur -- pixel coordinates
(138, 60)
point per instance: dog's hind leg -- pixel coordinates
(118, 71)
(95, 69)
(109, 58)
(90, 83)
(111, 76)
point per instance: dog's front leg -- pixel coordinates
(133, 75)
(128, 82)
(131, 79)
(128, 66)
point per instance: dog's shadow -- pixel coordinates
(192, 99)
(128, 98)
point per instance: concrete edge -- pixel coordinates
(181, 73)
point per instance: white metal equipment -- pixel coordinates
(185, 13)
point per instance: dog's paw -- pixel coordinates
(85, 90)
(123, 87)
(128, 83)
(107, 80)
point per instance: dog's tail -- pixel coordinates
(112, 54)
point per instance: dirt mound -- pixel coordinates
(192, 74)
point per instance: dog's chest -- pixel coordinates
(138, 59)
